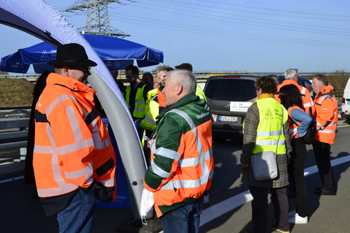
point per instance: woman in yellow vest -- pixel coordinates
(262, 132)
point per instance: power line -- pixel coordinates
(242, 20)
(286, 12)
(217, 32)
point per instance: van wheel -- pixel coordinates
(218, 139)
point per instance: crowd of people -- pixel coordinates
(291, 105)
(72, 157)
(74, 160)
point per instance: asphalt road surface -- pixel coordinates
(228, 210)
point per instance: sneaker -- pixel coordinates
(298, 220)
(292, 213)
(275, 229)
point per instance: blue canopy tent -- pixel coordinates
(115, 52)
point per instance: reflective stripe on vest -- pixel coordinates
(151, 121)
(201, 159)
(109, 182)
(57, 191)
(140, 102)
(87, 172)
(293, 126)
(326, 133)
(323, 97)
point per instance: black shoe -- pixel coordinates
(325, 192)
(318, 187)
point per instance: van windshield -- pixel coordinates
(231, 89)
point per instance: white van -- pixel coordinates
(345, 104)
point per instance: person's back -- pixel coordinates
(291, 77)
(266, 130)
(200, 93)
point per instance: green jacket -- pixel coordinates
(174, 175)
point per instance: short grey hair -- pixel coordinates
(290, 74)
(185, 78)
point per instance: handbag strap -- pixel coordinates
(279, 132)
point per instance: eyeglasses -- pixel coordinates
(85, 71)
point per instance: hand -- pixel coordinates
(297, 135)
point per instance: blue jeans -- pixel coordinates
(184, 219)
(77, 217)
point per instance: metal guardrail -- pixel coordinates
(16, 107)
(13, 134)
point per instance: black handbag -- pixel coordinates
(309, 137)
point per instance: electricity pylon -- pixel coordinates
(97, 19)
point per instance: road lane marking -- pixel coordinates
(343, 126)
(223, 207)
(11, 179)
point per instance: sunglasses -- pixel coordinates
(85, 71)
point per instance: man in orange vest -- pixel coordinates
(181, 156)
(327, 118)
(291, 77)
(74, 160)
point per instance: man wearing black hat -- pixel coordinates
(74, 160)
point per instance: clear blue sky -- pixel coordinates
(225, 35)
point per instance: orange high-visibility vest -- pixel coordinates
(326, 115)
(306, 98)
(293, 127)
(195, 164)
(72, 146)
(161, 98)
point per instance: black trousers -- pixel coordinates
(322, 156)
(296, 175)
(260, 208)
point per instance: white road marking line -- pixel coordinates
(223, 207)
(343, 126)
(11, 179)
